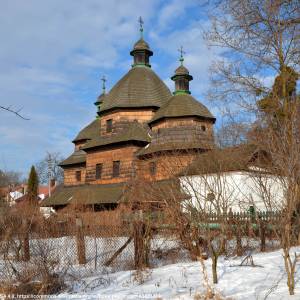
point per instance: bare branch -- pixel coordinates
(16, 112)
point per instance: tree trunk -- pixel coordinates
(26, 249)
(214, 268)
(80, 242)
(25, 241)
(141, 245)
(290, 271)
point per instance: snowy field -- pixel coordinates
(185, 280)
(166, 280)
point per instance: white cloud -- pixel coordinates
(172, 11)
(53, 53)
(48, 53)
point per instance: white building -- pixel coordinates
(232, 179)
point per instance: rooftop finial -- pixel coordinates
(103, 79)
(181, 59)
(141, 22)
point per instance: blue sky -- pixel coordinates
(53, 54)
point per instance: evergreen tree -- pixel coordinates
(33, 185)
(276, 104)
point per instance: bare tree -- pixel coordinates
(282, 145)
(48, 168)
(196, 201)
(257, 39)
(260, 42)
(9, 178)
(212, 195)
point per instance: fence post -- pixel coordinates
(141, 249)
(239, 250)
(262, 236)
(80, 242)
(231, 223)
(25, 240)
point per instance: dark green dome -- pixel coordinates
(183, 105)
(140, 87)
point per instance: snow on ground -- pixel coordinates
(184, 280)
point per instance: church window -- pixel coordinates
(116, 168)
(109, 125)
(203, 128)
(78, 175)
(152, 168)
(98, 171)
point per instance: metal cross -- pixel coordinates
(181, 59)
(141, 25)
(103, 79)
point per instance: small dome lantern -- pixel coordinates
(181, 77)
(141, 50)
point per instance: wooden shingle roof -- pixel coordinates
(182, 105)
(77, 157)
(160, 147)
(132, 131)
(86, 194)
(141, 44)
(140, 87)
(89, 132)
(236, 158)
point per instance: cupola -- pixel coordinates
(181, 77)
(141, 50)
(101, 97)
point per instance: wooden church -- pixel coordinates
(142, 131)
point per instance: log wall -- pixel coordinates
(120, 117)
(124, 154)
(70, 175)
